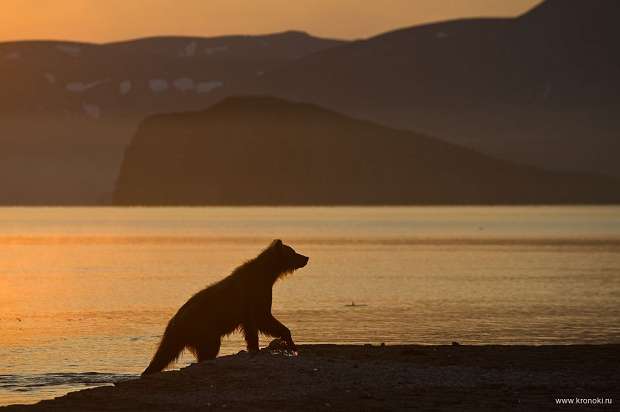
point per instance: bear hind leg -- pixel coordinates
(207, 350)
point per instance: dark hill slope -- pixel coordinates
(541, 88)
(142, 75)
(259, 150)
(69, 109)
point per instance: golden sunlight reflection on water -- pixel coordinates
(86, 292)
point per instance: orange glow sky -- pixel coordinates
(106, 20)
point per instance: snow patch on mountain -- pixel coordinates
(91, 110)
(13, 56)
(51, 79)
(158, 85)
(206, 87)
(80, 87)
(124, 87)
(184, 84)
(189, 50)
(73, 51)
(213, 50)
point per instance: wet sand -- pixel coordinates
(364, 377)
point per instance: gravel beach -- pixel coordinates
(366, 377)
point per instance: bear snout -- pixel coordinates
(302, 261)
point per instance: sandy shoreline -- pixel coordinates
(348, 377)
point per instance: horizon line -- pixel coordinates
(257, 34)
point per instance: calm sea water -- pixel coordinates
(86, 292)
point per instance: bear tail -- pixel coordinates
(168, 351)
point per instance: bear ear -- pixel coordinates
(276, 244)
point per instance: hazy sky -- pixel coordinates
(105, 20)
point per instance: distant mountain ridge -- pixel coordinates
(475, 60)
(68, 109)
(539, 89)
(56, 76)
(542, 88)
(265, 151)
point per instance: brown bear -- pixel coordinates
(240, 301)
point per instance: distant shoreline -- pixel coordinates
(345, 377)
(44, 239)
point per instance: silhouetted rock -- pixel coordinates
(261, 150)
